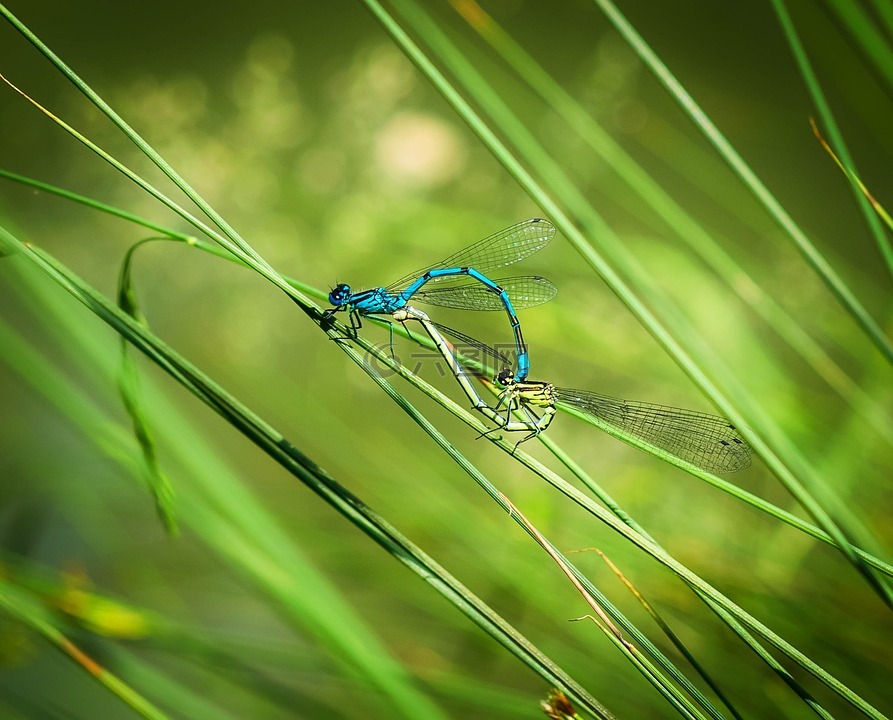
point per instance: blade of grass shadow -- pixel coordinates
(536, 156)
(824, 110)
(687, 229)
(310, 291)
(304, 469)
(810, 253)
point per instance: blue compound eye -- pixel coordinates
(340, 294)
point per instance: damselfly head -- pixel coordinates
(505, 377)
(340, 294)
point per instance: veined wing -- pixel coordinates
(708, 441)
(474, 349)
(499, 250)
(524, 291)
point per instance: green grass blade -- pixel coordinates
(251, 256)
(864, 32)
(809, 252)
(130, 392)
(830, 124)
(732, 614)
(686, 227)
(787, 469)
(308, 472)
(16, 603)
(237, 247)
(310, 291)
(303, 468)
(218, 251)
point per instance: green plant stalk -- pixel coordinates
(722, 612)
(17, 604)
(308, 472)
(224, 254)
(672, 637)
(809, 252)
(275, 445)
(249, 257)
(687, 229)
(830, 124)
(220, 534)
(253, 258)
(652, 673)
(680, 678)
(241, 246)
(499, 149)
(539, 158)
(222, 521)
(864, 32)
(310, 291)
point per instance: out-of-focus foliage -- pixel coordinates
(313, 135)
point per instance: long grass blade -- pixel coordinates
(562, 187)
(686, 227)
(275, 445)
(617, 255)
(810, 253)
(830, 124)
(251, 256)
(672, 636)
(313, 292)
(16, 603)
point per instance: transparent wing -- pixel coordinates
(524, 291)
(499, 250)
(473, 349)
(708, 441)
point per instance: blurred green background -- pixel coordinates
(305, 126)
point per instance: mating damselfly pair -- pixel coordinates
(460, 281)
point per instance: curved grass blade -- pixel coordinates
(129, 390)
